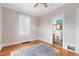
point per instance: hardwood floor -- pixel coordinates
(7, 50)
(64, 52)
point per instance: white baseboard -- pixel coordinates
(0, 45)
(16, 42)
(0, 48)
(70, 50)
(44, 40)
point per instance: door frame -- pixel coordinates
(57, 17)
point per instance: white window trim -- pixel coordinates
(28, 25)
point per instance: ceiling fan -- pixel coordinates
(44, 4)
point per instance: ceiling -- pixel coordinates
(30, 9)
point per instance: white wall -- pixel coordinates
(10, 34)
(0, 28)
(77, 31)
(69, 29)
(40, 27)
(45, 29)
(69, 24)
(34, 27)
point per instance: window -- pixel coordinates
(24, 24)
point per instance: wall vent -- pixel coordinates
(71, 48)
(26, 42)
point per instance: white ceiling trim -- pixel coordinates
(37, 11)
(19, 10)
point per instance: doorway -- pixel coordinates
(58, 31)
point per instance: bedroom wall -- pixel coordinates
(10, 33)
(0, 28)
(77, 31)
(45, 29)
(45, 24)
(41, 27)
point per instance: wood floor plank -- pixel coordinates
(6, 51)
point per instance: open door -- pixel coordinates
(58, 31)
